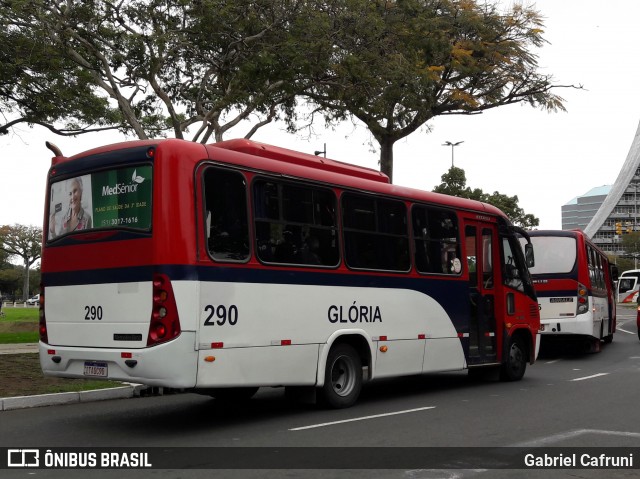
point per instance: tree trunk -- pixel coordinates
(25, 282)
(386, 156)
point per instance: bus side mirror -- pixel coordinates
(614, 272)
(528, 255)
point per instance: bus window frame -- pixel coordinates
(202, 203)
(93, 232)
(295, 183)
(375, 197)
(413, 237)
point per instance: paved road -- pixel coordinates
(567, 399)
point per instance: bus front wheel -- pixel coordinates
(342, 377)
(515, 362)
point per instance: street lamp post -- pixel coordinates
(452, 145)
(322, 152)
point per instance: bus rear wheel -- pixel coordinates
(342, 377)
(515, 362)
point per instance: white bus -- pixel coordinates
(628, 286)
(574, 283)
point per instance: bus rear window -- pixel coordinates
(554, 254)
(117, 198)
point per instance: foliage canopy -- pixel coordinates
(196, 69)
(454, 183)
(149, 67)
(396, 64)
(24, 242)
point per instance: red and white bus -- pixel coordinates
(225, 267)
(574, 282)
(628, 286)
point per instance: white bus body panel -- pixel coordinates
(171, 364)
(559, 317)
(125, 308)
(438, 357)
(76, 335)
(309, 316)
(265, 366)
(281, 334)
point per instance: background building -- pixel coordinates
(618, 212)
(578, 212)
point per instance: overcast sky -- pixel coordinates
(546, 159)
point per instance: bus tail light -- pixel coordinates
(583, 299)
(42, 320)
(165, 323)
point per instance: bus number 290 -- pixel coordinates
(221, 315)
(93, 313)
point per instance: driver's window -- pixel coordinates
(472, 255)
(487, 259)
(511, 271)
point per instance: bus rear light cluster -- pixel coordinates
(42, 320)
(583, 299)
(165, 323)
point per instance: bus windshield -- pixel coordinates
(119, 197)
(554, 254)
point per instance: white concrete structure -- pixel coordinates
(620, 209)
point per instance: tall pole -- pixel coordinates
(452, 145)
(321, 152)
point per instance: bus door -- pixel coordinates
(481, 240)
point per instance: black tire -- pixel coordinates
(233, 394)
(342, 377)
(515, 361)
(608, 339)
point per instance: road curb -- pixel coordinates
(56, 399)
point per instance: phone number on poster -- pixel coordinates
(120, 221)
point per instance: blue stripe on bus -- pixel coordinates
(446, 292)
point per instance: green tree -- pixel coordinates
(39, 85)
(631, 244)
(623, 263)
(150, 67)
(454, 183)
(24, 242)
(11, 279)
(396, 64)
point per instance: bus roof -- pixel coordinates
(273, 159)
(337, 173)
(571, 233)
(302, 159)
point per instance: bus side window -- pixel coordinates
(375, 233)
(295, 224)
(226, 216)
(435, 238)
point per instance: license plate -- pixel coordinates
(97, 369)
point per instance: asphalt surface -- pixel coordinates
(126, 391)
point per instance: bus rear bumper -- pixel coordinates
(583, 325)
(172, 364)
